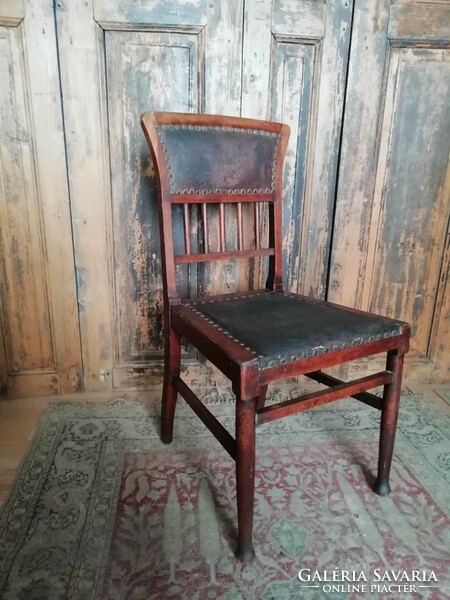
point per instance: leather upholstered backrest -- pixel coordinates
(213, 159)
(206, 160)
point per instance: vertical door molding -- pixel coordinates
(359, 140)
(393, 198)
(81, 46)
(39, 319)
(294, 69)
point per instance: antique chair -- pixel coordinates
(255, 338)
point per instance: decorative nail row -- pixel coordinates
(229, 128)
(221, 191)
(222, 329)
(212, 300)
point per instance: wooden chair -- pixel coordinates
(255, 338)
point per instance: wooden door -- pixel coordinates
(391, 232)
(117, 61)
(294, 70)
(275, 59)
(39, 340)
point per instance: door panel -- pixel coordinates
(295, 61)
(393, 199)
(411, 205)
(139, 66)
(40, 348)
(131, 58)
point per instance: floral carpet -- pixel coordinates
(102, 509)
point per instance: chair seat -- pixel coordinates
(280, 327)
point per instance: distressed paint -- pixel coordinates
(323, 146)
(80, 42)
(394, 198)
(26, 300)
(420, 21)
(307, 17)
(168, 13)
(50, 164)
(291, 103)
(40, 325)
(411, 204)
(322, 32)
(174, 45)
(290, 59)
(144, 69)
(358, 152)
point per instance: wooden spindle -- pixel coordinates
(187, 229)
(205, 227)
(257, 245)
(221, 228)
(240, 232)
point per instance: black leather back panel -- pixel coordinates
(222, 160)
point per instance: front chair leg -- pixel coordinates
(172, 357)
(245, 476)
(262, 396)
(389, 414)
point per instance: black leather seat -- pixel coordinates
(280, 327)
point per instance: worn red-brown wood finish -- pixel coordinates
(249, 379)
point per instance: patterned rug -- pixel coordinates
(101, 509)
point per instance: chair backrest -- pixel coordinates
(204, 160)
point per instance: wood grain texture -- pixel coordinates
(358, 152)
(314, 399)
(397, 190)
(25, 293)
(223, 255)
(278, 59)
(411, 205)
(80, 42)
(49, 144)
(322, 163)
(256, 58)
(174, 56)
(160, 69)
(291, 92)
(40, 321)
(305, 84)
(3, 360)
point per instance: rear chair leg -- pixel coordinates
(172, 357)
(245, 476)
(389, 414)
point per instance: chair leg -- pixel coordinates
(262, 396)
(172, 357)
(245, 476)
(389, 414)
